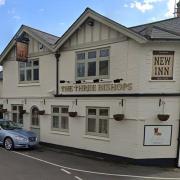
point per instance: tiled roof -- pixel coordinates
(165, 29)
(49, 38)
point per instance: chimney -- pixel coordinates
(178, 9)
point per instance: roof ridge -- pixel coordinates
(40, 31)
(151, 23)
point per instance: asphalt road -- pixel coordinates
(52, 164)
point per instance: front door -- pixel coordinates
(35, 123)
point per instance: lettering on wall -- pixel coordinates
(162, 67)
(105, 87)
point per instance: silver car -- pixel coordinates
(13, 136)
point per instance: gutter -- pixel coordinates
(178, 149)
(121, 95)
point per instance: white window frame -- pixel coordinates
(97, 117)
(1, 114)
(16, 112)
(60, 115)
(25, 68)
(37, 124)
(98, 59)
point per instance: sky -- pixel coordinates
(56, 16)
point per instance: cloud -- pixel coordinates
(62, 23)
(126, 5)
(12, 11)
(42, 10)
(143, 6)
(152, 19)
(170, 6)
(16, 17)
(2, 2)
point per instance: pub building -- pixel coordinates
(101, 88)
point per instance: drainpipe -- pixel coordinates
(57, 56)
(178, 148)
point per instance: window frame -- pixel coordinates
(31, 68)
(97, 117)
(1, 114)
(35, 125)
(60, 115)
(16, 112)
(98, 59)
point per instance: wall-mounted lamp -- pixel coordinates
(118, 80)
(161, 102)
(90, 22)
(96, 80)
(62, 81)
(78, 82)
(76, 102)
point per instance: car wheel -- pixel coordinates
(8, 144)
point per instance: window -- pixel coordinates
(60, 118)
(1, 114)
(29, 71)
(92, 64)
(17, 115)
(35, 116)
(97, 122)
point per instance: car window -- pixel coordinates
(9, 125)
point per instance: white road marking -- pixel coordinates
(65, 171)
(78, 178)
(93, 172)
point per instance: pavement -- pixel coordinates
(46, 163)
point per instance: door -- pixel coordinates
(35, 123)
(1, 136)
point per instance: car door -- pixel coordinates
(2, 133)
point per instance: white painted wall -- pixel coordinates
(1, 87)
(47, 74)
(128, 60)
(125, 137)
(145, 69)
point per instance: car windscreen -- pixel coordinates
(9, 125)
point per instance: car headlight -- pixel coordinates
(20, 138)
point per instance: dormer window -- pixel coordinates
(92, 64)
(29, 71)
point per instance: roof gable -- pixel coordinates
(45, 38)
(92, 33)
(88, 13)
(165, 29)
